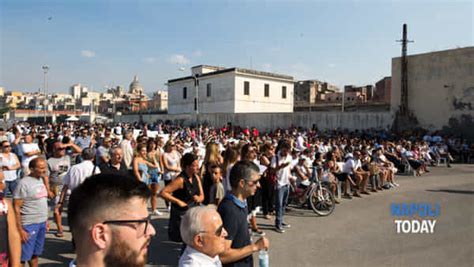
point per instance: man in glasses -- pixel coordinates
(244, 180)
(203, 232)
(109, 221)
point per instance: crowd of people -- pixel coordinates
(215, 182)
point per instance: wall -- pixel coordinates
(265, 121)
(221, 99)
(440, 87)
(256, 100)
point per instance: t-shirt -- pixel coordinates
(58, 168)
(35, 200)
(283, 175)
(349, 165)
(27, 148)
(234, 217)
(83, 142)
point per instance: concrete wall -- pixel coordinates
(440, 87)
(266, 121)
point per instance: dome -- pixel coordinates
(135, 86)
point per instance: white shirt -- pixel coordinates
(283, 175)
(192, 257)
(10, 162)
(300, 143)
(78, 173)
(127, 149)
(26, 148)
(350, 165)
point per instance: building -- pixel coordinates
(440, 88)
(311, 92)
(159, 101)
(230, 90)
(2, 92)
(77, 91)
(383, 90)
(360, 94)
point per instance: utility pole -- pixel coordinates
(45, 84)
(404, 81)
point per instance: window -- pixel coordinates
(185, 93)
(246, 88)
(267, 90)
(283, 92)
(208, 87)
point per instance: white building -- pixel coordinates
(230, 90)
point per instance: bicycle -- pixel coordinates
(318, 197)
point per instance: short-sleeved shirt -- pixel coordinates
(348, 166)
(83, 142)
(58, 168)
(234, 217)
(35, 200)
(27, 148)
(283, 175)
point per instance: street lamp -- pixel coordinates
(45, 102)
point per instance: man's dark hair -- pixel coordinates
(88, 154)
(187, 160)
(34, 162)
(100, 193)
(242, 170)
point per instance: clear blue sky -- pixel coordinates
(100, 43)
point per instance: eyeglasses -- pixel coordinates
(218, 232)
(252, 183)
(146, 221)
(6, 146)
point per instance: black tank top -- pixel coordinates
(189, 190)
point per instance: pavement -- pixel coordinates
(360, 232)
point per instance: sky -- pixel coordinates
(106, 43)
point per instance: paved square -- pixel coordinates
(360, 232)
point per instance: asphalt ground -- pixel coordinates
(360, 232)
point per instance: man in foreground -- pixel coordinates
(203, 232)
(30, 201)
(244, 178)
(109, 222)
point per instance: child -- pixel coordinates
(217, 191)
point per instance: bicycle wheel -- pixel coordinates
(321, 200)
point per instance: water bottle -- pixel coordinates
(263, 258)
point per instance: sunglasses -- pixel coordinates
(252, 183)
(6, 146)
(218, 232)
(146, 221)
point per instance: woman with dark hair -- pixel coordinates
(184, 192)
(249, 152)
(267, 184)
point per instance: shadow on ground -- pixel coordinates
(467, 192)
